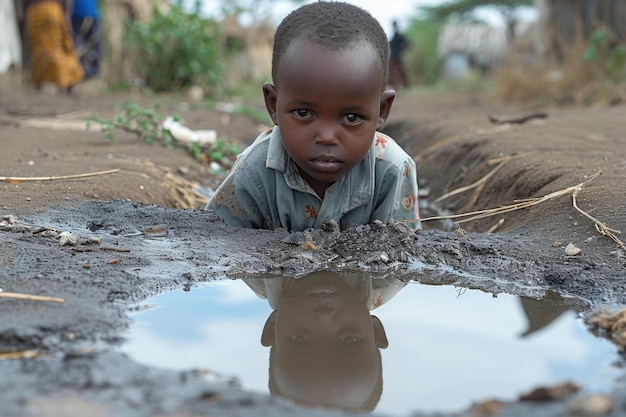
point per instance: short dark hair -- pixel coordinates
(333, 25)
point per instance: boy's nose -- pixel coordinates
(326, 134)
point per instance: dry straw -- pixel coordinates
(573, 191)
(59, 177)
(30, 297)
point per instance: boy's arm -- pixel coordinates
(398, 195)
(235, 203)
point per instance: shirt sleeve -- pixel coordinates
(397, 197)
(239, 199)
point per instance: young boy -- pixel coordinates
(324, 159)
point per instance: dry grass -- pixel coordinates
(572, 191)
(515, 83)
(572, 81)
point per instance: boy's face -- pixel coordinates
(324, 343)
(328, 104)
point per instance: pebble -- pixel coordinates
(66, 238)
(593, 405)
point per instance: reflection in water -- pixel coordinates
(540, 313)
(446, 348)
(324, 344)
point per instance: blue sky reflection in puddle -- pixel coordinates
(447, 347)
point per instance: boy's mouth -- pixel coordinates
(326, 163)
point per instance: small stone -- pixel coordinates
(330, 225)
(8, 220)
(156, 230)
(571, 250)
(66, 238)
(552, 393)
(593, 405)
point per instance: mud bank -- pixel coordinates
(72, 368)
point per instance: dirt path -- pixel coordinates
(72, 369)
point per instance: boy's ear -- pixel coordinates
(380, 336)
(269, 94)
(386, 100)
(268, 336)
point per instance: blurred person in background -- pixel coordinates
(86, 34)
(48, 30)
(397, 46)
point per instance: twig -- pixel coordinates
(60, 177)
(600, 227)
(518, 119)
(480, 183)
(75, 114)
(19, 355)
(495, 226)
(111, 248)
(476, 184)
(573, 191)
(31, 297)
(438, 145)
(479, 214)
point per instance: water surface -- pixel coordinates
(340, 338)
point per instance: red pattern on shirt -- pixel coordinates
(310, 211)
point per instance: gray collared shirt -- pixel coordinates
(265, 190)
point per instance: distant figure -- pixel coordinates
(53, 59)
(398, 45)
(86, 33)
(324, 161)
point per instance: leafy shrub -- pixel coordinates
(176, 49)
(605, 55)
(147, 124)
(422, 61)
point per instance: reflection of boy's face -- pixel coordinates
(323, 312)
(328, 104)
(325, 343)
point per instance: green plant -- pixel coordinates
(421, 59)
(144, 123)
(606, 56)
(176, 49)
(147, 125)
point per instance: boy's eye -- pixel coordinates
(353, 118)
(302, 114)
(350, 338)
(298, 339)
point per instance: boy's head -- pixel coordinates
(328, 98)
(334, 25)
(325, 345)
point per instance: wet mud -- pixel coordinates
(126, 252)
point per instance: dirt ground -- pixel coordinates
(65, 363)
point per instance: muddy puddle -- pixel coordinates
(352, 341)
